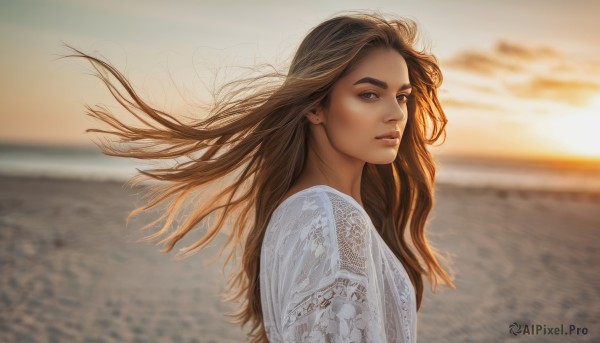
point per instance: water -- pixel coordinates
(89, 163)
(521, 174)
(86, 163)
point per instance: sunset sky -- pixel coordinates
(521, 78)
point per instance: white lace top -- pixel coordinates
(326, 275)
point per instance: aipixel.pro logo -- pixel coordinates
(543, 329)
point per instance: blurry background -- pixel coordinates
(521, 162)
(520, 78)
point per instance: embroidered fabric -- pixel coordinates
(327, 276)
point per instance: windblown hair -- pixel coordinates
(251, 146)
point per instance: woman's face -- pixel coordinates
(368, 103)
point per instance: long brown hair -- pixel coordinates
(250, 147)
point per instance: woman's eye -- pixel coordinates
(366, 95)
(372, 96)
(403, 95)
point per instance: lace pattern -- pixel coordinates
(405, 295)
(351, 231)
(327, 276)
(342, 287)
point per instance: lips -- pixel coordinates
(389, 135)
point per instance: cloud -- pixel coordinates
(573, 92)
(455, 103)
(518, 51)
(505, 57)
(481, 63)
(571, 81)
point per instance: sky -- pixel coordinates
(521, 78)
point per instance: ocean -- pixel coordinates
(88, 163)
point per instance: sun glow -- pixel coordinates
(576, 133)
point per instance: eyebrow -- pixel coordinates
(380, 83)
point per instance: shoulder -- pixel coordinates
(308, 208)
(318, 198)
(322, 201)
(303, 202)
(323, 219)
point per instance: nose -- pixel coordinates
(396, 111)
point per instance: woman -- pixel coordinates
(324, 168)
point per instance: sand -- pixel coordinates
(71, 271)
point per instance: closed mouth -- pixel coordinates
(389, 135)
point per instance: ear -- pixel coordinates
(316, 115)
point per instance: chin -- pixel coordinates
(384, 158)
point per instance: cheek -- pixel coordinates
(352, 120)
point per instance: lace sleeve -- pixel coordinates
(327, 295)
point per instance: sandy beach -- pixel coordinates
(71, 270)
